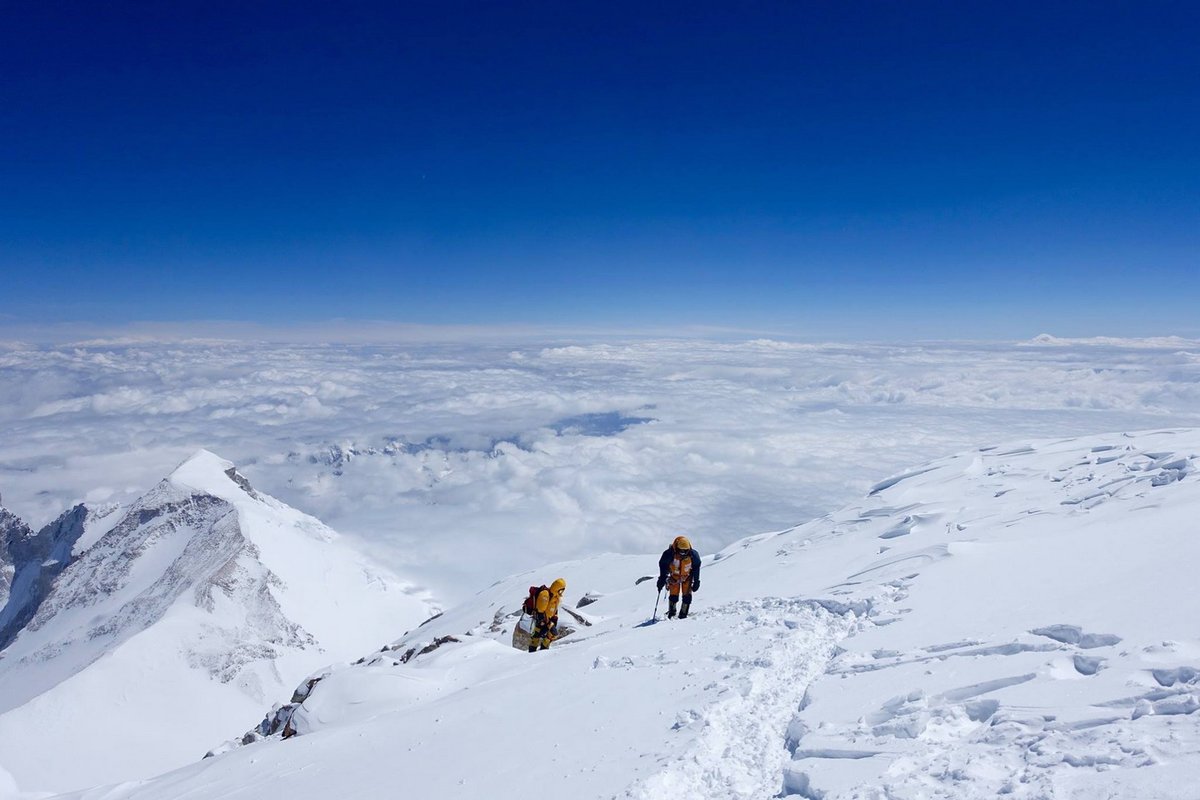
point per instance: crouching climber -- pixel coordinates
(545, 615)
(679, 571)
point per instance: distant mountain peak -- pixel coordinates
(208, 472)
(203, 459)
(204, 593)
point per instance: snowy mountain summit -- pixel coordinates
(203, 599)
(1015, 621)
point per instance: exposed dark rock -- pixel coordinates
(413, 652)
(305, 689)
(32, 562)
(241, 481)
(582, 620)
(501, 616)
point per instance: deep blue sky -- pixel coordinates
(876, 169)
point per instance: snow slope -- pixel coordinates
(204, 601)
(1016, 621)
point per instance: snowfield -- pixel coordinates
(1014, 621)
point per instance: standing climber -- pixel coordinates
(545, 615)
(679, 571)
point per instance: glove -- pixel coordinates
(661, 583)
(695, 586)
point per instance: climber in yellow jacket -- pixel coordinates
(545, 618)
(679, 571)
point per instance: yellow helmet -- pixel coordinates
(682, 543)
(559, 586)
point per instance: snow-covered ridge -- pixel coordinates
(1014, 621)
(204, 594)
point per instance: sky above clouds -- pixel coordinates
(871, 171)
(459, 463)
(527, 282)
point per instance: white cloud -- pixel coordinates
(456, 463)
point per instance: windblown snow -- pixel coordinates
(192, 609)
(1015, 621)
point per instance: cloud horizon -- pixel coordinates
(534, 452)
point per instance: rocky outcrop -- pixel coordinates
(12, 529)
(29, 564)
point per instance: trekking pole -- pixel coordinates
(657, 597)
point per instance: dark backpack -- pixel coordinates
(531, 599)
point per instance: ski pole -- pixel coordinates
(657, 597)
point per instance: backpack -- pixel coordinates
(531, 598)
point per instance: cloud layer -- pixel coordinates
(458, 463)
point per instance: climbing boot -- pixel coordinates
(683, 609)
(671, 608)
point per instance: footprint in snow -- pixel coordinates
(1073, 634)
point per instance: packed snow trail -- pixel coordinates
(740, 750)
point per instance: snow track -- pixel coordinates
(741, 749)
